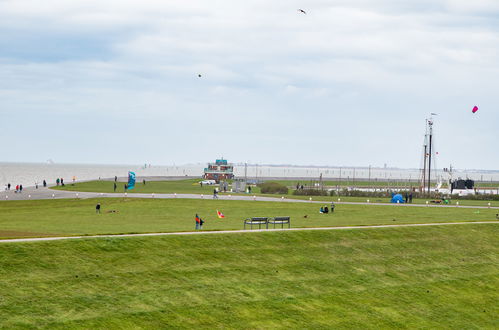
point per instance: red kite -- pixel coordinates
(475, 109)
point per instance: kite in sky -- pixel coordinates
(302, 11)
(199, 75)
(475, 109)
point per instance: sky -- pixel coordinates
(349, 83)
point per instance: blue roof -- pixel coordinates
(221, 162)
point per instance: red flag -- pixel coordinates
(220, 214)
(475, 109)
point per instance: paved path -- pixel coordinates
(46, 193)
(42, 239)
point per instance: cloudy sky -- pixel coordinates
(349, 83)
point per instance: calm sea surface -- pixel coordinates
(29, 173)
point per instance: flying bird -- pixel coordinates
(302, 11)
(199, 75)
(475, 109)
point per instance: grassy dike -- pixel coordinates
(432, 277)
(132, 215)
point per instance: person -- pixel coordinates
(321, 210)
(74, 180)
(57, 181)
(126, 187)
(497, 216)
(20, 188)
(332, 207)
(97, 208)
(62, 182)
(8, 186)
(249, 189)
(410, 197)
(326, 210)
(215, 193)
(406, 197)
(144, 182)
(115, 178)
(36, 184)
(115, 186)
(201, 223)
(44, 183)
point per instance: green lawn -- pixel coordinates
(78, 217)
(191, 186)
(433, 277)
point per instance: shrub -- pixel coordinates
(310, 192)
(273, 188)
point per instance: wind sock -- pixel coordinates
(131, 180)
(475, 109)
(220, 214)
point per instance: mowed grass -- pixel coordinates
(192, 186)
(78, 217)
(420, 277)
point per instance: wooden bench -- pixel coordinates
(280, 221)
(257, 221)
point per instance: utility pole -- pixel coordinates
(430, 126)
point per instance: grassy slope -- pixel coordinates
(78, 217)
(191, 186)
(444, 277)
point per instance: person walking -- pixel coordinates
(57, 181)
(410, 197)
(215, 193)
(406, 197)
(44, 184)
(115, 178)
(17, 188)
(36, 184)
(8, 186)
(332, 207)
(115, 186)
(62, 182)
(97, 208)
(20, 188)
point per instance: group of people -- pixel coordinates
(59, 182)
(19, 187)
(408, 197)
(324, 209)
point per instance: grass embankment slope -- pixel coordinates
(77, 217)
(192, 186)
(438, 277)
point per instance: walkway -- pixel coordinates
(45, 193)
(41, 239)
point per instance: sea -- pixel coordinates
(28, 174)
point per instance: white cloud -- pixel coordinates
(360, 64)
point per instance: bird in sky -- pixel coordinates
(302, 11)
(199, 75)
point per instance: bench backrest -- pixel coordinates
(282, 218)
(259, 219)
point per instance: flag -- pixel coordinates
(220, 214)
(475, 109)
(131, 180)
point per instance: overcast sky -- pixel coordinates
(349, 83)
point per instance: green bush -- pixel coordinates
(273, 188)
(310, 192)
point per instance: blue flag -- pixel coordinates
(131, 180)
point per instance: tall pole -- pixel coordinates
(430, 123)
(424, 166)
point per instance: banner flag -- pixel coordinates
(131, 180)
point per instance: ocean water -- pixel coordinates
(29, 173)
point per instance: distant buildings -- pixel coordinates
(219, 170)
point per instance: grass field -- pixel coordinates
(438, 277)
(191, 186)
(78, 217)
